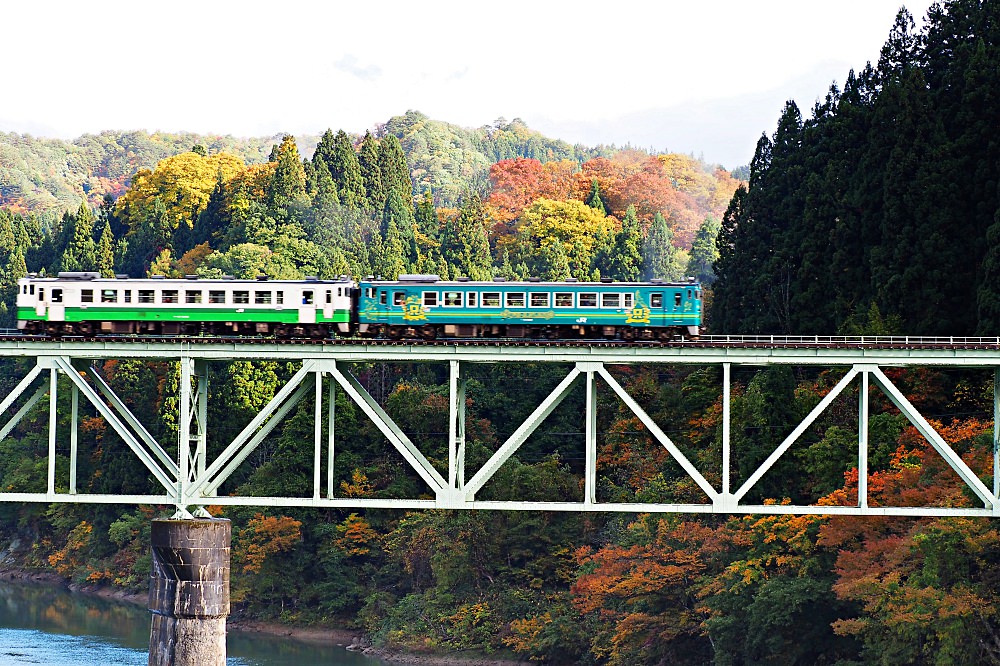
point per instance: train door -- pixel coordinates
(676, 305)
(307, 306)
(328, 304)
(50, 303)
(57, 309)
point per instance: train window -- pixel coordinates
(279, 298)
(307, 297)
(564, 299)
(370, 292)
(262, 297)
(169, 296)
(611, 300)
(192, 296)
(470, 299)
(677, 298)
(628, 300)
(145, 295)
(382, 297)
(128, 295)
(656, 300)
(31, 290)
(453, 299)
(340, 291)
(109, 296)
(697, 293)
(588, 300)
(398, 298)
(56, 295)
(539, 300)
(216, 297)
(41, 293)
(514, 299)
(689, 293)
(86, 295)
(491, 299)
(329, 296)
(430, 298)
(242, 297)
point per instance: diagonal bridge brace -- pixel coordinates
(392, 432)
(66, 367)
(208, 482)
(905, 407)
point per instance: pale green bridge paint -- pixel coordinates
(191, 481)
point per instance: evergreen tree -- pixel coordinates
(368, 159)
(704, 252)
(105, 251)
(287, 186)
(393, 169)
(388, 253)
(624, 262)
(148, 241)
(464, 241)
(345, 170)
(81, 252)
(212, 222)
(426, 217)
(400, 214)
(594, 199)
(660, 259)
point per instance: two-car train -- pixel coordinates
(414, 306)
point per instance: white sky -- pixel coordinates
(701, 76)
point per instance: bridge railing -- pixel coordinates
(882, 341)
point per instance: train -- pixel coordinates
(422, 307)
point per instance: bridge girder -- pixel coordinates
(192, 481)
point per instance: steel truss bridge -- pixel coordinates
(192, 480)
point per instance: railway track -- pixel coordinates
(709, 342)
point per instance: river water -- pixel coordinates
(53, 627)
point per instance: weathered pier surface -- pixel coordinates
(189, 592)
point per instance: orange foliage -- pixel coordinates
(266, 536)
(520, 181)
(356, 535)
(192, 259)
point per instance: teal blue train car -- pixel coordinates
(424, 306)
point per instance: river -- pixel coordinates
(53, 627)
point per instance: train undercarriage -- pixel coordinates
(379, 331)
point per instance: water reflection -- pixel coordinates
(46, 625)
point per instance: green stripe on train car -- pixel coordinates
(179, 313)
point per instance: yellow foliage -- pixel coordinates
(183, 183)
(359, 485)
(547, 221)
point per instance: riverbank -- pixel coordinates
(325, 635)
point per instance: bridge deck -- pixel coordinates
(190, 479)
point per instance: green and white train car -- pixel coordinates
(84, 303)
(425, 306)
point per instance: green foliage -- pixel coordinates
(660, 259)
(886, 195)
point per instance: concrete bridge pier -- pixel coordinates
(189, 592)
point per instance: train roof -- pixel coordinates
(93, 276)
(419, 279)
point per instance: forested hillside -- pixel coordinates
(884, 196)
(876, 214)
(39, 175)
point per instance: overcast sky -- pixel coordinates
(703, 77)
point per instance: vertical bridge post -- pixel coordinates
(189, 592)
